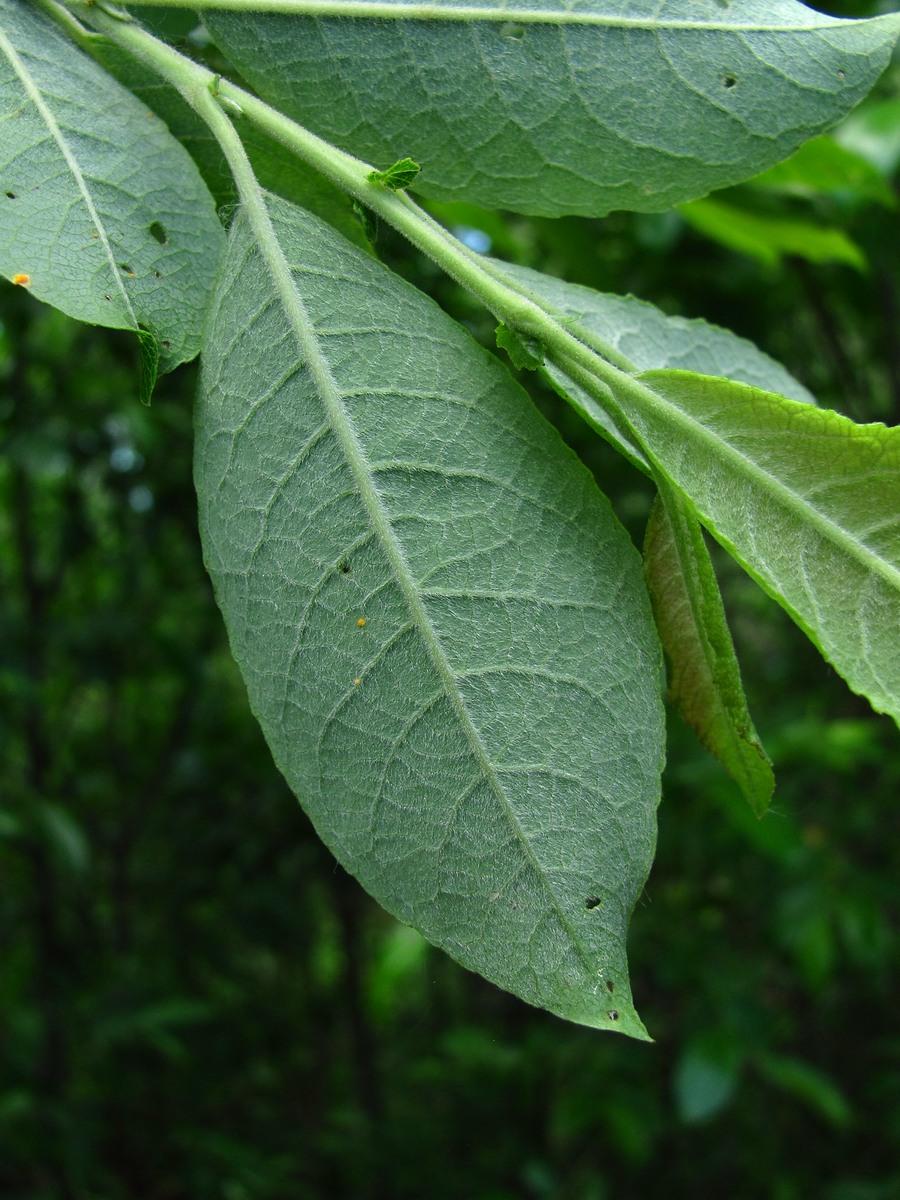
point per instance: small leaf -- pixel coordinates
(769, 236)
(809, 1085)
(397, 177)
(451, 653)
(526, 354)
(706, 1077)
(149, 352)
(824, 167)
(557, 108)
(85, 173)
(704, 676)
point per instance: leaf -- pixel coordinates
(816, 1090)
(704, 676)
(553, 109)
(873, 132)
(398, 177)
(806, 500)
(647, 338)
(824, 167)
(276, 170)
(706, 1076)
(769, 236)
(443, 628)
(525, 354)
(88, 179)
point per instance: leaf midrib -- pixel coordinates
(34, 93)
(808, 513)
(469, 14)
(330, 395)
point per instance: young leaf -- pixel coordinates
(805, 499)
(99, 204)
(451, 652)
(398, 177)
(704, 677)
(555, 108)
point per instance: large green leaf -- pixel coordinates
(556, 107)
(805, 499)
(444, 631)
(100, 207)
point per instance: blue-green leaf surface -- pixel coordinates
(100, 206)
(552, 107)
(444, 631)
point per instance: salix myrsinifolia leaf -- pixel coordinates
(554, 108)
(443, 629)
(99, 204)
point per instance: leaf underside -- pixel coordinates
(99, 205)
(704, 676)
(805, 499)
(444, 631)
(554, 109)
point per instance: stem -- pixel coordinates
(597, 366)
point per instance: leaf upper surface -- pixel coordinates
(99, 204)
(554, 108)
(443, 628)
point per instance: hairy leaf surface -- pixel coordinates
(647, 339)
(100, 206)
(704, 676)
(556, 108)
(805, 499)
(443, 629)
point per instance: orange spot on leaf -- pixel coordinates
(21, 280)
(361, 622)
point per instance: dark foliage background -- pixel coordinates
(196, 1003)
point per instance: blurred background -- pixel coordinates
(196, 1003)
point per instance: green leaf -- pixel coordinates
(646, 339)
(552, 109)
(276, 170)
(398, 177)
(443, 628)
(704, 676)
(805, 499)
(824, 167)
(873, 132)
(706, 1076)
(816, 1090)
(526, 354)
(100, 206)
(769, 236)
